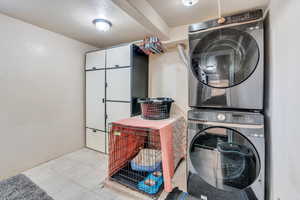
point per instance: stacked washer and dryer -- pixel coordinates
(226, 143)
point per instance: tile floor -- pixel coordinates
(75, 176)
(81, 176)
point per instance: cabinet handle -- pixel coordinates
(103, 100)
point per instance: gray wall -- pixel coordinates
(41, 95)
(283, 98)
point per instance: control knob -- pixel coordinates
(221, 117)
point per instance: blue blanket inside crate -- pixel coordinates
(143, 168)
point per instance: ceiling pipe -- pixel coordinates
(182, 54)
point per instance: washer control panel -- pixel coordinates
(226, 117)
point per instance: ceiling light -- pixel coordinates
(102, 24)
(189, 2)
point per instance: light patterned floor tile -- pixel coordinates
(76, 176)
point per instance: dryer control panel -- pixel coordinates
(233, 19)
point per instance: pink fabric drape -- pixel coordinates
(169, 146)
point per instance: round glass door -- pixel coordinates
(224, 58)
(225, 159)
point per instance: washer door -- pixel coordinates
(224, 159)
(224, 58)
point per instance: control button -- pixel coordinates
(221, 20)
(221, 117)
(258, 135)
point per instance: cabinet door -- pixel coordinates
(119, 84)
(117, 111)
(119, 56)
(95, 93)
(96, 140)
(95, 60)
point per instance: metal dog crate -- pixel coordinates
(135, 158)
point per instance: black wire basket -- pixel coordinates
(155, 108)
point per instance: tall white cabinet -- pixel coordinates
(95, 99)
(115, 79)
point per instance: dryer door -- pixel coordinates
(224, 159)
(224, 58)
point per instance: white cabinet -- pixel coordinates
(117, 111)
(118, 84)
(95, 94)
(95, 60)
(115, 79)
(96, 140)
(119, 57)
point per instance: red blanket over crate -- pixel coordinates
(171, 133)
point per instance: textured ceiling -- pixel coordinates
(73, 18)
(175, 14)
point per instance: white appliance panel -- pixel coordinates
(117, 111)
(119, 56)
(95, 93)
(119, 84)
(96, 140)
(95, 59)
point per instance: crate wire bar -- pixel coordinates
(135, 158)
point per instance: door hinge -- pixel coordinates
(106, 116)
(106, 84)
(103, 100)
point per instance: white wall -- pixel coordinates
(283, 105)
(41, 95)
(168, 76)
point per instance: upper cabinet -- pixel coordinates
(119, 57)
(95, 60)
